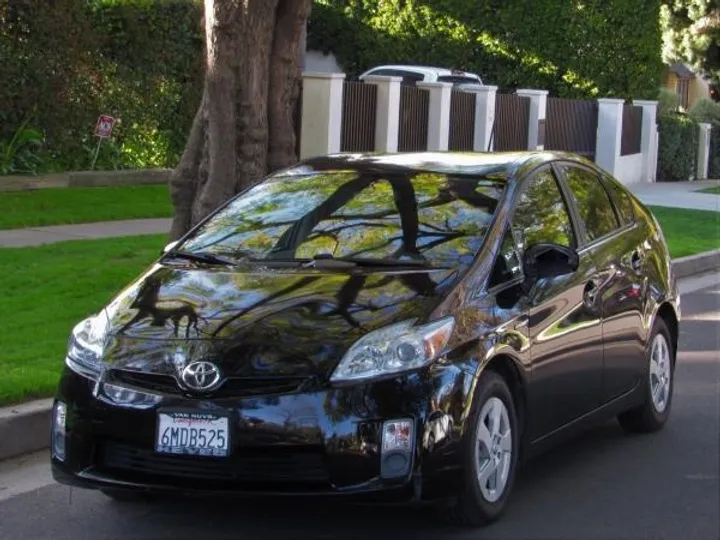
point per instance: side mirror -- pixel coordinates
(549, 260)
(169, 247)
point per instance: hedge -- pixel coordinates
(677, 150)
(67, 61)
(714, 165)
(587, 49)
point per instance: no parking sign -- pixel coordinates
(104, 126)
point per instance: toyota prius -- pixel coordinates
(401, 327)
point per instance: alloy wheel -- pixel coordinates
(660, 373)
(493, 449)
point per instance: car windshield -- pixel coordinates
(438, 218)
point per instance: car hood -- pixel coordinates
(259, 323)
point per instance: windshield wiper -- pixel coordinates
(207, 258)
(326, 260)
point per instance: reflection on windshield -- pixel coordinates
(437, 217)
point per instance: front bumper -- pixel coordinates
(326, 442)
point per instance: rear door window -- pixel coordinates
(592, 201)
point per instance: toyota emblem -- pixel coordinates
(201, 376)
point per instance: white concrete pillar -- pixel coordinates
(703, 151)
(648, 138)
(322, 105)
(387, 119)
(538, 113)
(609, 133)
(439, 114)
(484, 115)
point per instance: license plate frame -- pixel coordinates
(189, 419)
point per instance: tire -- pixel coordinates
(478, 504)
(660, 359)
(126, 496)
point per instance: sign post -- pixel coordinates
(103, 130)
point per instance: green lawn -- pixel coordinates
(46, 290)
(715, 190)
(60, 206)
(688, 232)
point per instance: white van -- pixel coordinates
(415, 74)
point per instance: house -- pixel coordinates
(688, 85)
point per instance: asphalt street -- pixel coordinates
(602, 485)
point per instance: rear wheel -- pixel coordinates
(653, 413)
(490, 454)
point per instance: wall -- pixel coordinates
(630, 169)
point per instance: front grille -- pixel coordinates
(266, 466)
(231, 387)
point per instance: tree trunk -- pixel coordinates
(244, 127)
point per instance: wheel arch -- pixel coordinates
(666, 312)
(507, 367)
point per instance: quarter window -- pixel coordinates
(541, 215)
(623, 204)
(593, 202)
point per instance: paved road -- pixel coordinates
(603, 485)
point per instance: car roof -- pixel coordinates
(439, 71)
(502, 165)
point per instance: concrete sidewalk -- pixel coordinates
(36, 236)
(678, 194)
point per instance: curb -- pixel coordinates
(86, 179)
(696, 264)
(25, 428)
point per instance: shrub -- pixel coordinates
(667, 102)
(678, 146)
(714, 164)
(705, 110)
(67, 61)
(579, 49)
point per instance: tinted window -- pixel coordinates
(409, 77)
(593, 202)
(623, 204)
(439, 217)
(541, 214)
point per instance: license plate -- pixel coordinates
(192, 433)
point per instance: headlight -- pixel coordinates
(393, 349)
(87, 341)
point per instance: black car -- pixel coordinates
(400, 327)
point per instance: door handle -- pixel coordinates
(590, 294)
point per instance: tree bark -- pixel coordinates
(244, 126)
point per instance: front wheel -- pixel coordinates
(653, 413)
(490, 454)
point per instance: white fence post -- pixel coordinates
(322, 105)
(609, 133)
(648, 138)
(439, 114)
(387, 118)
(484, 115)
(704, 151)
(538, 113)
